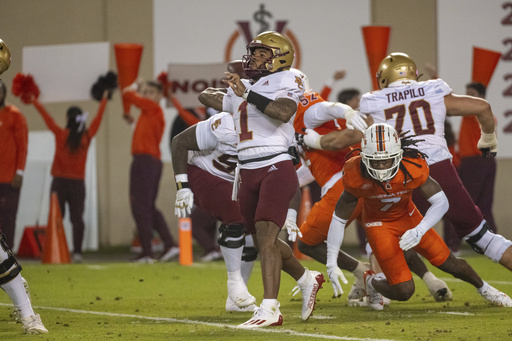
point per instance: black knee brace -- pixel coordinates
(472, 241)
(249, 254)
(7, 271)
(231, 236)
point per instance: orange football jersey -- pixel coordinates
(390, 201)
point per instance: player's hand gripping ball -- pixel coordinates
(5, 57)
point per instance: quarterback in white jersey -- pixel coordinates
(263, 108)
(420, 108)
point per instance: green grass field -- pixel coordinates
(102, 300)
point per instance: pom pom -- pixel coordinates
(166, 85)
(106, 82)
(24, 87)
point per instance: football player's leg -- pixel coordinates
(437, 288)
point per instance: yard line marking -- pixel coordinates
(452, 279)
(211, 324)
(456, 313)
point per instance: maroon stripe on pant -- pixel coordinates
(9, 200)
(145, 173)
(464, 215)
(72, 191)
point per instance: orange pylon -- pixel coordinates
(55, 249)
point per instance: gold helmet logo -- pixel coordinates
(5, 57)
(396, 66)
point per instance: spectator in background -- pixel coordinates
(68, 168)
(13, 155)
(146, 169)
(473, 165)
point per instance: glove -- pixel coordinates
(411, 238)
(292, 230)
(355, 120)
(335, 274)
(184, 202)
(488, 144)
(291, 225)
(312, 139)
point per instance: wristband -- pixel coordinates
(181, 181)
(259, 101)
(245, 94)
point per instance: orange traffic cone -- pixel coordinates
(128, 61)
(305, 206)
(376, 39)
(484, 63)
(55, 249)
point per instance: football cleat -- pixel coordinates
(375, 299)
(231, 306)
(309, 291)
(264, 316)
(356, 296)
(169, 254)
(495, 297)
(238, 293)
(33, 325)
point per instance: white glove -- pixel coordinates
(355, 120)
(291, 225)
(335, 274)
(312, 139)
(412, 237)
(488, 144)
(184, 202)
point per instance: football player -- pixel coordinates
(421, 108)
(384, 176)
(204, 159)
(262, 109)
(326, 167)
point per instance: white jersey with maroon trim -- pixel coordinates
(217, 139)
(417, 108)
(260, 135)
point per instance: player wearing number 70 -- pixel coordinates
(421, 108)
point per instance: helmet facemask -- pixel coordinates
(381, 142)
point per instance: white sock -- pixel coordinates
(16, 292)
(429, 278)
(232, 258)
(304, 278)
(235, 276)
(269, 302)
(246, 269)
(484, 288)
(359, 270)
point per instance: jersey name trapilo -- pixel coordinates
(217, 139)
(258, 134)
(417, 108)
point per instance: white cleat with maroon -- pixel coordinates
(264, 316)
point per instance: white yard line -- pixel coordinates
(218, 325)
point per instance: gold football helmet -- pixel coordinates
(282, 54)
(395, 67)
(5, 57)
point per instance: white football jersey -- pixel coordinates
(260, 135)
(417, 108)
(217, 139)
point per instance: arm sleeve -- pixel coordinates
(21, 138)
(322, 112)
(95, 124)
(186, 115)
(438, 207)
(50, 123)
(335, 239)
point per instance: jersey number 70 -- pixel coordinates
(412, 109)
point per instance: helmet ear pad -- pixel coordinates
(381, 142)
